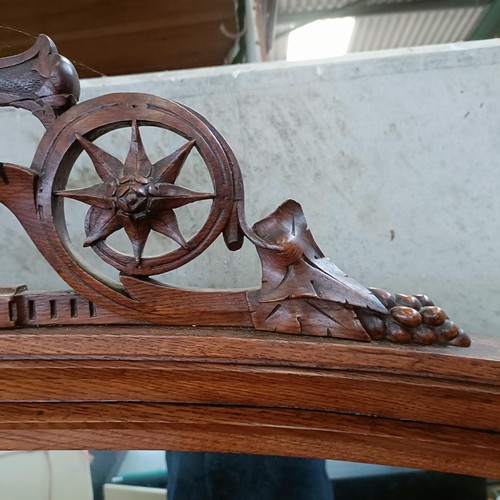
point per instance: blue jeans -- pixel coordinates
(226, 476)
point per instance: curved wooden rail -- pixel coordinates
(237, 390)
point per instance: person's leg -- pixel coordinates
(186, 476)
(225, 476)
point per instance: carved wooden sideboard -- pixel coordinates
(311, 364)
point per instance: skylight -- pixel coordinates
(320, 39)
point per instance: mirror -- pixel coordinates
(144, 475)
(385, 157)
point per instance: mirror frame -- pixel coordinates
(241, 391)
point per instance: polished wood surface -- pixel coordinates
(237, 390)
(39, 80)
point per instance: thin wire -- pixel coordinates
(34, 37)
(49, 466)
(17, 30)
(79, 64)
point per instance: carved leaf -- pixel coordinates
(298, 269)
(39, 80)
(306, 317)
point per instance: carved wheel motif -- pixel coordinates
(136, 195)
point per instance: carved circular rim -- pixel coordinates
(59, 150)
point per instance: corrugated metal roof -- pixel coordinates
(409, 29)
(297, 6)
(388, 30)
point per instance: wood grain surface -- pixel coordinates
(237, 390)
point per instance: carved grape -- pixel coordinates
(387, 298)
(423, 299)
(406, 316)
(408, 300)
(411, 318)
(433, 315)
(397, 333)
(424, 334)
(448, 330)
(374, 325)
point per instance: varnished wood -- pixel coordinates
(39, 80)
(230, 390)
(223, 377)
(28, 308)
(8, 310)
(480, 363)
(242, 430)
(206, 307)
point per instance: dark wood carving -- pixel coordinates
(302, 291)
(39, 80)
(137, 196)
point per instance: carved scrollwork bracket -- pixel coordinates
(302, 291)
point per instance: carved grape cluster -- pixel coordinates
(411, 319)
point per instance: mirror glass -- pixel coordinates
(155, 475)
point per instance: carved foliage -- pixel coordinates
(294, 266)
(303, 291)
(306, 317)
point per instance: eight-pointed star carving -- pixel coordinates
(135, 195)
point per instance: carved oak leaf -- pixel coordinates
(297, 269)
(136, 195)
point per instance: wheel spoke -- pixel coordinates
(168, 169)
(166, 223)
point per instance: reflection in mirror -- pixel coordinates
(45, 475)
(154, 475)
(141, 475)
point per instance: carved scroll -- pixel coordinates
(39, 80)
(302, 291)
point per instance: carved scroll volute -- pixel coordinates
(39, 80)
